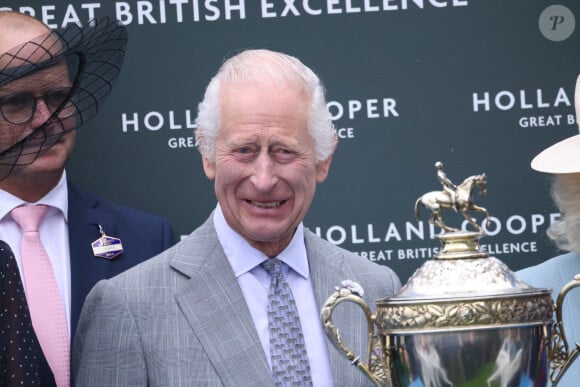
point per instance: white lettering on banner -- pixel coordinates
(156, 12)
(189, 142)
(376, 256)
(387, 255)
(181, 142)
(284, 8)
(425, 253)
(509, 248)
(370, 108)
(540, 121)
(208, 10)
(46, 13)
(508, 100)
(154, 121)
(416, 253)
(345, 133)
(391, 232)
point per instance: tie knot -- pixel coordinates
(273, 266)
(29, 217)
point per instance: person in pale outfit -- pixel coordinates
(562, 161)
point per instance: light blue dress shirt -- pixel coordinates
(554, 274)
(255, 281)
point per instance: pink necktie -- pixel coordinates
(46, 308)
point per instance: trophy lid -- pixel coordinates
(462, 287)
(461, 269)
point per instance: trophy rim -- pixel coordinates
(402, 316)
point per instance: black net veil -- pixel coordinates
(72, 71)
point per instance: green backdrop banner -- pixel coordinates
(482, 86)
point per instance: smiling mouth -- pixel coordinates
(266, 205)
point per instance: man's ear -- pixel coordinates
(322, 169)
(324, 166)
(209, 168)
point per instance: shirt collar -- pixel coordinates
(243, 257)
(56, 197)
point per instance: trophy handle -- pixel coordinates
(562, 358)
(338, 296)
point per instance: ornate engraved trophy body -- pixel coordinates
(463, 318)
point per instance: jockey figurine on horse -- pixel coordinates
(456, 197)
(447, 184)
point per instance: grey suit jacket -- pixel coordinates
(180, 318)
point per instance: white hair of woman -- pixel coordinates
(566, 194)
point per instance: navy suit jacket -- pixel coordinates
(142, 235)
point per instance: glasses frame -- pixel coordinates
(35, 98)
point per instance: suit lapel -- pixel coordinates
(86, 269)
(327, 273)
(214, 305)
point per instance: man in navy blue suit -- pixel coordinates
(50, 83)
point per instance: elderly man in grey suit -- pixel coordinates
(208, 311)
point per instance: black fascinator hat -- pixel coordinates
(69, 72)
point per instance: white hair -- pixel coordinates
(566, 194)
(269, 68)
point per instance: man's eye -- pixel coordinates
(57, 97)
(17, 101)
(244, 153)
(284, 155)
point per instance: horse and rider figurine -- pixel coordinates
(454, 197)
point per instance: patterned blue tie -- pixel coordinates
(290, 365)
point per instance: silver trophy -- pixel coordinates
(463, 318)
